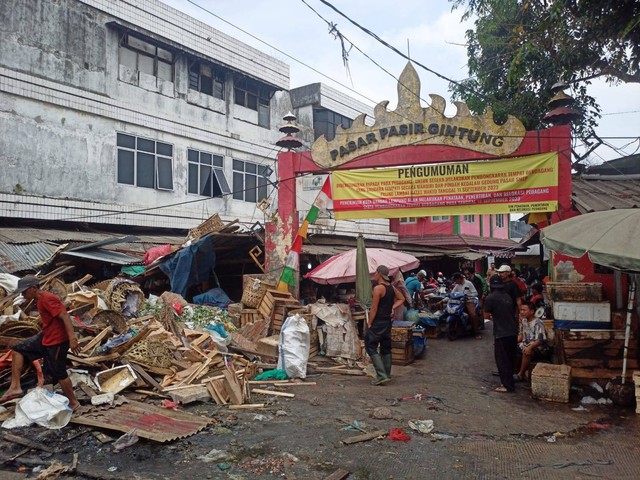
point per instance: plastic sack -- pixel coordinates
(43, 407)
(272, 375)
(398, 435)
(154, 253)
(220, 341)
(294, 347)
(219, 328)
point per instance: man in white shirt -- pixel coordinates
(462, 285)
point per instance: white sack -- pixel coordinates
(294, 347)
(43, 407)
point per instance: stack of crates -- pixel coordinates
(402, 345)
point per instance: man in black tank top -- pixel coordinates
(385, 300)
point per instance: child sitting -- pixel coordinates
(532, 339)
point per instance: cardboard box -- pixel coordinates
(551, 382)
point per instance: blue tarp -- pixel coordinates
(216, 297)
(190, 266)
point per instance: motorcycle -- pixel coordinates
(456, 316)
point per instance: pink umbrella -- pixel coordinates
(342, 268)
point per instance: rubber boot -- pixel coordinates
(387, 361)
(381, 378)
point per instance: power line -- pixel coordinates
(394, 49)
(283, 53)
(333, 27)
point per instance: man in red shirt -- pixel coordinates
(52, 344)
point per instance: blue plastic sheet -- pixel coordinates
(190, 266)
(216, 297)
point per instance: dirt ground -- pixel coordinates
(477, 432)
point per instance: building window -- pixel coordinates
(206, 174)
(146, 57)
(500, 221)
(251, 94)
(469, 219)
(440, 219)
(325, 122)
(145, 163)
(408, 220)
(206, 78)
(250, 181)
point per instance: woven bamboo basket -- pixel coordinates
(103, 285)
(57, 287)
(253, 289)
(212, 224)
(118, 293)
(19, 329)
(151, 352)
(106, 318)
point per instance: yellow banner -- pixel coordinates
(515, 185)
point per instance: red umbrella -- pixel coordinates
(342, 268)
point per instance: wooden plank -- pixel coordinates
(233, 387)
(594, 334)
(340, 372)
(273, 392)
(93, 361)
(610, 343)
(584, 362)
(96, 340)
(25, 442)
(246, 406)
(603, 373)
(364, 438)
(149, 380)
(217, 392)
(617, 363)
(339, 474)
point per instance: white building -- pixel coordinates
(129, 112)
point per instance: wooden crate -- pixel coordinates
(401, 334)
(551, 382)
(402, 353)
(274, 307)
(595, 354)
(248, 316)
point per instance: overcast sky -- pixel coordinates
(435, 38)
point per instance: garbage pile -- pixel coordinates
(136, 347)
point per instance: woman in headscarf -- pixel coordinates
(398, 283)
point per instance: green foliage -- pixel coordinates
(519, 49)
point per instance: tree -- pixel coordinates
(519, 49)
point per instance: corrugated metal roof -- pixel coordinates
(16, 258)
(596, 195)
(104, 255)
(155, 423)
(32, 235)
(464, 241)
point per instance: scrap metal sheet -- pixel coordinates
(154, 423)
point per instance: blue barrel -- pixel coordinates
(419, 341)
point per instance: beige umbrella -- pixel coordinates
(610, 238)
